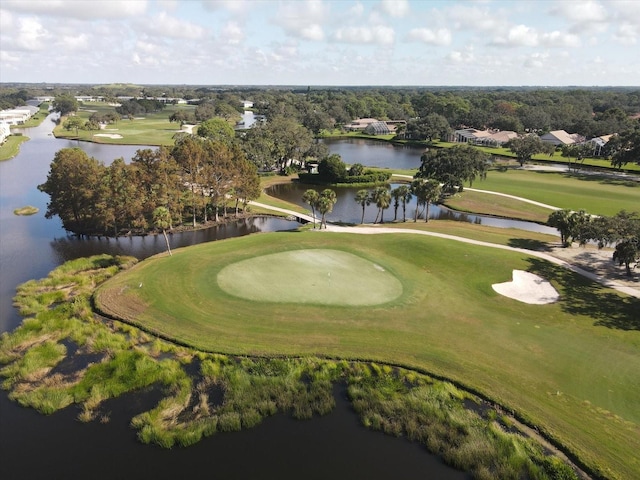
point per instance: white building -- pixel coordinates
(18, 115)
(5, 131)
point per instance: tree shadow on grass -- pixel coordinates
(581, 296)
(529, 244)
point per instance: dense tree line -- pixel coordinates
(197, 179)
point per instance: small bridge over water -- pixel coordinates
(300, 217)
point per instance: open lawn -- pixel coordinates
(572, 368)
(150, 129)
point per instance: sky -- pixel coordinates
(322, 42)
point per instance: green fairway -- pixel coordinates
(598, 195)
(325, 277)
(572, 367)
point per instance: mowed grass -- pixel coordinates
(598, 195)
(313, 276)
(572, 368)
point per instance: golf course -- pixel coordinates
(570, 368)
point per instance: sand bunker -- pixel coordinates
(110, 135)
(528, 288)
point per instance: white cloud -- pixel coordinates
(518, 36)
(395, 8)
(96, 9)
(302, 19)
(536, 60)
(457, 56)
(559, 39)
(441, 36)
(627, 34)
(589, 16)
(356, 10)
(232, 34)
(165, 25)
(377, 35)
(31, 35)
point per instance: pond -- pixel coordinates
(348, 211)
(34, 446)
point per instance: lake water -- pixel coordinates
(33, 446)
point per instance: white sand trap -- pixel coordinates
(528, 288)
(110, 135)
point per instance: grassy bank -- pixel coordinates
(539, 361)
(61, 355)
(11, 146)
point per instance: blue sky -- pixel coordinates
(321, 42)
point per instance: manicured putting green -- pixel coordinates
(313, 276)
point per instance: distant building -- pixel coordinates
(373, 126)
(560, 137)
(18, 115)
(492, 138)
(377, 128)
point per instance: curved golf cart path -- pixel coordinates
(376, 229)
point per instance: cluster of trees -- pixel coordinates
(622, 231)
(452, 167)
(196, 179)
(139, 106)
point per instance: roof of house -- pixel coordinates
(559, 135)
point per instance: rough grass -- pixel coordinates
(536, 360)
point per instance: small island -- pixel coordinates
(28, 210)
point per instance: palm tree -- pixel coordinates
(406, 198)
(382, 198)
(395, 194)
(363, 199)
(325, 203)
(400, 194)
(162, 220)
(426, 192)
(311, 197)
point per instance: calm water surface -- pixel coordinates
(33, 446)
